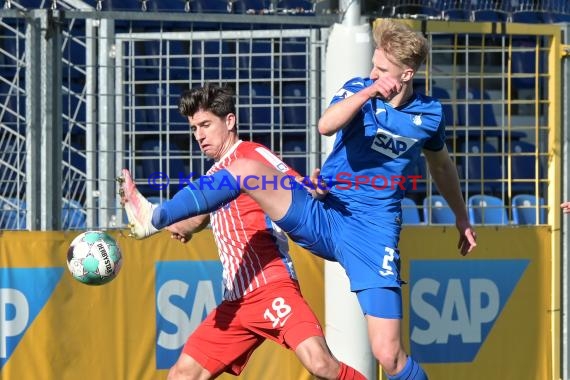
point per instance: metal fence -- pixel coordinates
(85, 92)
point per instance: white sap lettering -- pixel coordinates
(455, 318)
(13, 326)
(480, 314)
(454, 315)
(425, 310)
(204, 301)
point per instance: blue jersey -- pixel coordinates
(358, 223)
(369, 166)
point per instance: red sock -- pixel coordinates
(349, 373)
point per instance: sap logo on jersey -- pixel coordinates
(23, 294)
(454, 305)
(186, 291)
(390, 144)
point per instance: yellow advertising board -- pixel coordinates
(57, 328)
(490, 315)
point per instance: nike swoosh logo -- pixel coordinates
(380, 110)
(284, 320)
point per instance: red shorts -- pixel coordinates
(225, 340)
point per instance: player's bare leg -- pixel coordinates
(186, 368)
(139, 210)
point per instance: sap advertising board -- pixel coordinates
(454, 305)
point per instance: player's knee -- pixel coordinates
(323, 367)
(187, 368)
(388, 357)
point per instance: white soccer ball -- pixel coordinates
(94, 258)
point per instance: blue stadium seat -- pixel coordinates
(256, 59)
(419, 169)
(212, 6)
(455, 10)
(251, 6)
(410, 212)
(294, 105)
(482, 167)
(12, 214)
(523, 166)
(416, 9)
(150, 164)
(294, 58)
(487, 209)
(296, 7)
(295, 153)
(437, 211)
(73, 215)
(490, 10)
(524, 208)
(476, 113)
(255, 108)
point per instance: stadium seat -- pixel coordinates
(455, 10)
(255, 105)
(524, 209)
(523, 166)
(416, 9)
(419, 171)
(12, 214)
(490, 10)
(294, 105)
(487, 209)
(295, 152)
(481, 166)
(73, 215)
(171, 166)
(479, 112)
(251, 6)
(212, 6)
(410, 212)
(294, 59)
(437, 211)
(296, 7)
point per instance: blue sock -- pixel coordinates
(206, 194)
(411, 371)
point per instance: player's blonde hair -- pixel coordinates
(401, 42)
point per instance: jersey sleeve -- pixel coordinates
(349, 88)
(260, 153)
(437, 141)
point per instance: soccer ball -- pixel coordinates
(94, 258)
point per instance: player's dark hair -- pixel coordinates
(213, 98)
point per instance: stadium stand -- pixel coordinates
(422, 9)
(410, 212)
(524, 160)
(490, 10)
(73, 215)
(487, 209)
(524, 210)
(12, 214)
(481, 164)
(456, 10)
(437, 211)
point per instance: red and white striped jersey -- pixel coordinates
(252, 249)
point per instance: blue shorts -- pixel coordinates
(365, 246)
(381, 302)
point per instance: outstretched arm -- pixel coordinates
(446, 179)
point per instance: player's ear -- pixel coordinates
(407, 75)
(230, 121)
